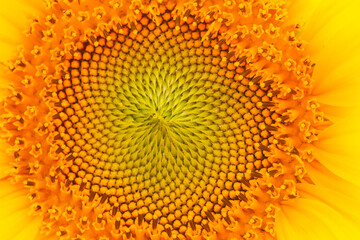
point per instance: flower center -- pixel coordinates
(160, 119)
(161, 125)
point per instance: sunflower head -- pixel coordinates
(161, 119)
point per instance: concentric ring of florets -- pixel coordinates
(160, 124)
(173, 120)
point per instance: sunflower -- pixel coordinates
(144, 119)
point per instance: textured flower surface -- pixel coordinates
(233, 119)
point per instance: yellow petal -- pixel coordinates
(334, 45)
(14, 19)
(338, 150)
(329, 208)
(15, 221)
(329, 28)
(334, 191)
(326, 210)
(308, 218)
(334, 42)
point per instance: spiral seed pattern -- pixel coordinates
(160, 119)
(162, 125)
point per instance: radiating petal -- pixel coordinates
(329, 208)
(15, 219)
(308, 218)
(14, 20)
